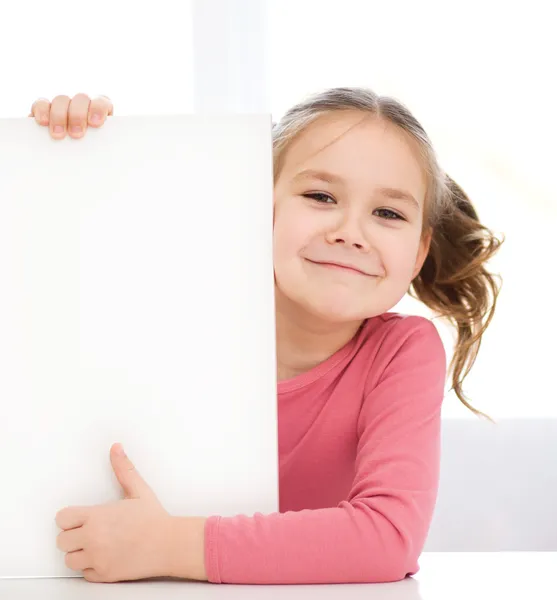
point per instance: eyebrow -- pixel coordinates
(389, 192)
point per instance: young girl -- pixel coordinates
(363, 214)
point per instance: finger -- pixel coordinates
(132, 483)
(59, 116)
(100, 108)
(77, 115)
(77, 561)
(72, 517)
(71, 540)
(40, 110)
(92, 575)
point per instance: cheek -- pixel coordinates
(290, 235)
(399, 257)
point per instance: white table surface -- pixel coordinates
(443, 576)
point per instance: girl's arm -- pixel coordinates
(378, 533)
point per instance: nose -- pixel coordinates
(348, 233)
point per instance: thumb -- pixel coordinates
(132, 483)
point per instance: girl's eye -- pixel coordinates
(384, 213)
(389, 214)
(319, 197)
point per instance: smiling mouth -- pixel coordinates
(339, 267)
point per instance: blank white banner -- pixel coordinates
(136, 305)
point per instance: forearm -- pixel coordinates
(347, 544)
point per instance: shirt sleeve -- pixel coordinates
(378, 532)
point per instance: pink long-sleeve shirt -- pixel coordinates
(359, 457)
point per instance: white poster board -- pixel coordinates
(136, 305)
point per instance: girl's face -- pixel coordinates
(349, 204)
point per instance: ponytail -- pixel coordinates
(455, 283)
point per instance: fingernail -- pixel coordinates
(120, 450)
(95, 118)
(58, 129)
(76, 129)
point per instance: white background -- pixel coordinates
(478, 75)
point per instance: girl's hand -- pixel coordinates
(125, 540)
(71, 115)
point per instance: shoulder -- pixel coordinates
(393, 331)
(403, 343)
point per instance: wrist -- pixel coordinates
(186, 548)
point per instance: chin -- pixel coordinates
(338, 307)
(338, 310)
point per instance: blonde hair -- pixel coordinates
(453, 281)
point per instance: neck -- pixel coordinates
(304, 340)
